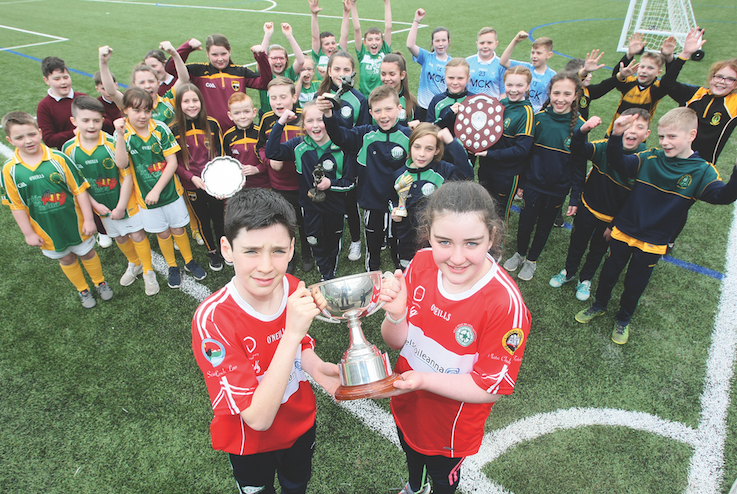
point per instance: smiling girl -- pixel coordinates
(552, 172)
(462, 328)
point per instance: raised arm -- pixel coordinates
(268, 33)
(299, 57)
(121, 153)
(182, 72)
(680, 92)
(357, 35)
(626, 164)
(412, 35)
(104, 53)
(579, 144)
(388, 22)
(184, 50)
(315, 25)
(507, 55)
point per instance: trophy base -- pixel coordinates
(377, 389)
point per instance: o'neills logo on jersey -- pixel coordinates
(49, 197)
(106, 183)
(213, 351)
(440, 313)
(156, 167)
(272, 338)
(512, 340)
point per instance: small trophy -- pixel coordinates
(314, 193)
(346, 83)
(402, 187)
(365, 372)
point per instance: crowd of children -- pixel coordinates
(131, 163)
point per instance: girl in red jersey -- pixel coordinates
(200, 140)
(461, 325)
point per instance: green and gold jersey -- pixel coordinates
(97, 165)
(46, 193)
(164, 107)
(147, 156)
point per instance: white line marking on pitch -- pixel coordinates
(54, 39)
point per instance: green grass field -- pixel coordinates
(111, 399)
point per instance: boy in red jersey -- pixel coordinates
(251, 343)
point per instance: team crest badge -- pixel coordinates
(507, 121)
(402, 114)
(346, 111)
(236, 85)
(328, 165)
(684, 181)
(583, 102)
(56, 178)
(213, 351)
(512, 340)
(428, 189)
(465, 335)
(398, 153)
(716, 118)
(419, 293)
(567, 143)
(155, 148)
(312, 240)
(108, 163)
(168, 114)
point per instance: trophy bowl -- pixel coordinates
(365, 372)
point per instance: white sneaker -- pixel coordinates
(583, 290)
(150, 283)
(104, 241)
(176, 247)
(131, 273)
(514, 262)
(527, 271)
(354, 251)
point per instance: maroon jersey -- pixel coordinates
(241, 145)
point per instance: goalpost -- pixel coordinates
(656, 20)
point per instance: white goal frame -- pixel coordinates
(656, 20)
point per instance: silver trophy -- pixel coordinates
(365, 372)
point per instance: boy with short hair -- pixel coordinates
(667, 183)
(35, 184)
(604, 194)
(93, 152)
(638, 82)
(486, 73)
(371, 48)
(250, 341)
(283, 174)
(323, 43)
(279, 60)
(443, 107)
(55, 108)
(241, 139)
(112, 112)
(585, 69)
(380, 150)
(542, 50)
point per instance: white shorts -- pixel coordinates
(172, 215)
(80, 249)
(120, 228)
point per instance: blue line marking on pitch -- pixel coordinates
(669, 259)
(681, 264)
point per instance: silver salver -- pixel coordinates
(223, 177)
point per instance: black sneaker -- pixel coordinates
(175, 278)
(308, 264)
(559, 221)
(216, 262)
(196, 270)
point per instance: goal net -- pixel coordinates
(656, 20)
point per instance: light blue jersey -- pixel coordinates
(539, 85)
(486, 77)
(432, 76)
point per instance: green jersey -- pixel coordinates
(164, 107)
(369, 67)
(45, 192)
(321, 61)
(148, 159)
(97, 165)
